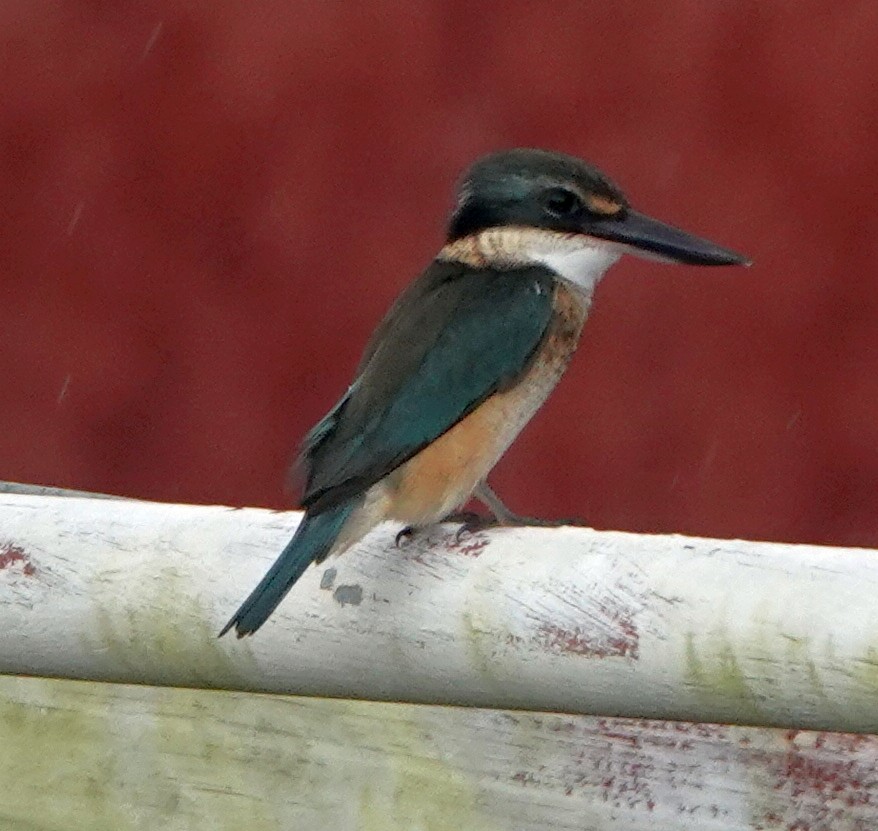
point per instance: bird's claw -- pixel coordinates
(404, 535)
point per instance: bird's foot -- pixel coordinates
(482, 523)
(469, 522)
(461, 516)
(507, 518)
(405, 535)
(472, 523)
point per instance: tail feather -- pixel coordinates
(312, 541)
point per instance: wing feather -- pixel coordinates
(454, 338)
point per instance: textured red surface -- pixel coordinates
(207, 207)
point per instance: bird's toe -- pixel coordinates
(474, 524)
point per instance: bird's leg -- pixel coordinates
(461, 516)
(502, 516)
(485, 494)
(472, 522)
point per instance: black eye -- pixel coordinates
(561, 202)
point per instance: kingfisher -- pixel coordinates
(466, 356)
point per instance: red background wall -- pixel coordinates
(207, 206)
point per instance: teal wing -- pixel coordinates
(454, 338)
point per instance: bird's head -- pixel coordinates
(527, 206)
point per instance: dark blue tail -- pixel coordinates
(312, 541)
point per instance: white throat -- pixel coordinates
(578, 260)
(581, 266)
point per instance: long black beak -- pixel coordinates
(645, 234)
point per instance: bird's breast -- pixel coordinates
(445, 473)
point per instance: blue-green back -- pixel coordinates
(455, 337)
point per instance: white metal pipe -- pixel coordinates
(570, 620)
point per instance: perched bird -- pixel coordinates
(466, 355)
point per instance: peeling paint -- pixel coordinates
(592, 642)
(328, 578)
(348, 595)
(593, 622)
(469, 544)
(14, 557)
(472, 548)
(622, 767)
(829, 778)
